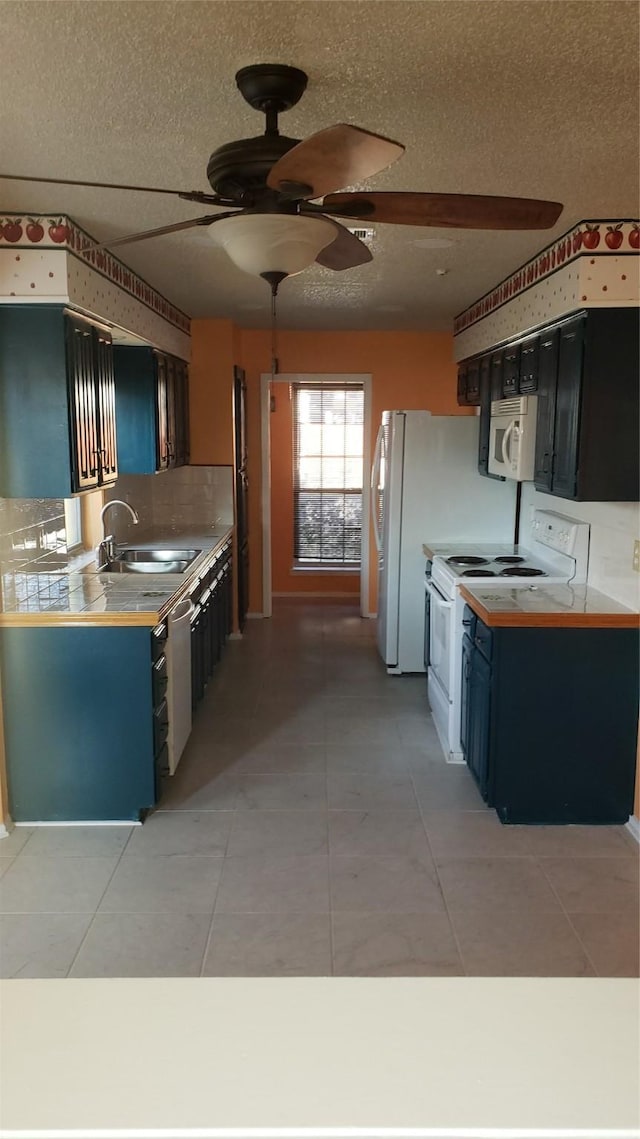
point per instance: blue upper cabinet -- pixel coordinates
(152, 414)
(57, 403)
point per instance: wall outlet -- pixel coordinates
(636, 555)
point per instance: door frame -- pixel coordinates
(266, 380)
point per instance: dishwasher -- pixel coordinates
(178, 653)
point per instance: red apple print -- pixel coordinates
(12, 230)
(634, 237)
(577, 241)
(613, 236)
(57, 231)
(591, 239)
(35, 232)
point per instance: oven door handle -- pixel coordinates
(436, 596)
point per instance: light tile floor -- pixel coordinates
(313, 827)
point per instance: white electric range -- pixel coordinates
(557, 552)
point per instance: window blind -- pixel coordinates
(328, 440)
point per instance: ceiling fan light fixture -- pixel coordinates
(273, 243)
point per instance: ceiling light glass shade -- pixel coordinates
(272, 243)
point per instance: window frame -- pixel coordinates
(308, 565)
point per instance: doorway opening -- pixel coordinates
(316, 457)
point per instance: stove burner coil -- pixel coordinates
(467, 560)
(509, 559)
(477, 573)
(522, 571)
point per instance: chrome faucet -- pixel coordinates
(106, 548)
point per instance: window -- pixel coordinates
(328, 438)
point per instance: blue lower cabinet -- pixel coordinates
(79, 721)
(550, 719)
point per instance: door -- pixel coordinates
(567, 416)
(467, 653)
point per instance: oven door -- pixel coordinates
(440, 637)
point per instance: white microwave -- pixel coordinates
(512, 437)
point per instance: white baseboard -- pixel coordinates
(633, 826)
(4, 833)
(235, 636)
(304, 595)
(83, 823)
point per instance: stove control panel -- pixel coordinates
(560, 533)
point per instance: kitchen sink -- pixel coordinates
(150, 561)
(133, 554)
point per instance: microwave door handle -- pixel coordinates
(375, 473)
(506, 455)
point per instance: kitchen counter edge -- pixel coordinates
(558, 617)
(140, 618)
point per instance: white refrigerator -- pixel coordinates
(425, 487)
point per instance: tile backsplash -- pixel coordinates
(187, 498)
(33, 531)
(614, 528)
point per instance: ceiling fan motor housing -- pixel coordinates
(240, 168)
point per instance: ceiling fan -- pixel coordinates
(268, 185)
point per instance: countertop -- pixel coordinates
(550, 606)
(79, 594)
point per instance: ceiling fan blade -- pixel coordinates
(345, 251)
(338, 156)
(175, 228)
(190, 195)
(463, 211)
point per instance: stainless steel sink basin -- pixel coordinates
(177, 565)
(133, 554)
(136, 560)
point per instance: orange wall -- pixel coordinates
(409, 370)
(214, 351)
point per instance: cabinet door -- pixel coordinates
(479, 707)
(162, 411)
(511, 371)
(106, 401)
(171, 411)
(462, 383)
(567, 416)
(473, 383)
(547, 378)
(180, 404)
(497, 368)
(240, 409)
(529, 365)
(83, 419)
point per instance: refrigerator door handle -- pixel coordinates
(375, 474)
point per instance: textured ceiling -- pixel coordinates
(518, 97)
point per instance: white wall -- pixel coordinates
(614, 528)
